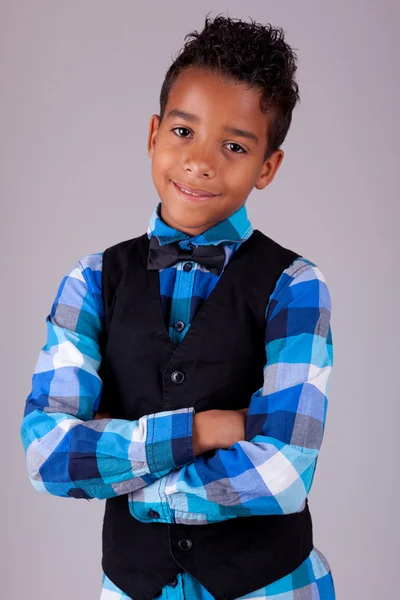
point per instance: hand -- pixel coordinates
(100, 415)
(216, 428)
(232, 427)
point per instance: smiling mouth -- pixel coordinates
(199, 195)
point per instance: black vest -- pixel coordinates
(221, 357)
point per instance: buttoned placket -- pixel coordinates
(180, 312)
(179, 317)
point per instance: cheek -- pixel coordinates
(163, 160)
(239, 177)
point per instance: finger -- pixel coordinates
(101, 416)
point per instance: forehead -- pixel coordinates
(214, 97)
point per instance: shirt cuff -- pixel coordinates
(169, 441)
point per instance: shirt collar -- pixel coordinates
(234, 229)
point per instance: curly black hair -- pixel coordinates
(247, 52)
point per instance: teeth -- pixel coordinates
(191, 193)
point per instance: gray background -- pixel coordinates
(78, 84)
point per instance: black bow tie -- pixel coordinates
(160, 257)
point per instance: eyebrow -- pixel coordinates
(233, 130)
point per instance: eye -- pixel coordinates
(181, 129)
(241, 150)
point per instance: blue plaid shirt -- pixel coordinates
(151, 459)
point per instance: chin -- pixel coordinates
(187, 217)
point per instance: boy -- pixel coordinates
(185, 374)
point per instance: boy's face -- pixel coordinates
(204, 149)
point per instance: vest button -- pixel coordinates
(179, 326)
(173, 582)
(185, 544)
(153, 514)
(177, 377)
(187, 267)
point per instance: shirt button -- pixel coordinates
(191, 245)
(179, 326)
(185, 544)
(187, 267)
(177, 377)
(153, 514)
(173, 582)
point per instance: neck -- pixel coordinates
(192, 231)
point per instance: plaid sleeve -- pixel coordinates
(271, 471)
(67, 452)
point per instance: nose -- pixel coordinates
(199, 163)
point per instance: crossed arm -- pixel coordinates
(271, 469)
(70, 452)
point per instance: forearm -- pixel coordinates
(271, 469)
(70, 452)
(212, 429)
(260, 477)
(66, 456)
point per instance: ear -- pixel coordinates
(269, 169)
(153, 129)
